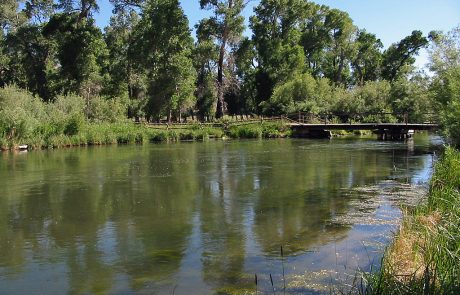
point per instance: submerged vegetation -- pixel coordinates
(424, 257)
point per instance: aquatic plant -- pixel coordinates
(424, 257)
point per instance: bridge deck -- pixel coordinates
(366, 126)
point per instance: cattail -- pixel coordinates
(282, 264)
(271, 281)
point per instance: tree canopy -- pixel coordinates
(299, 56)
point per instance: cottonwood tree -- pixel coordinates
(341, 49)
(167, 46)
(82, 54)
(120, 43)
(276, 37)
(445, 64)
(226, 27)
(399, 57)
(366, 63)
(205, 56)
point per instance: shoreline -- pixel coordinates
(130, 133)
(424, 255)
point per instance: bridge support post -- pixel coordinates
(394, 134)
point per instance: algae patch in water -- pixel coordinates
(379, 204)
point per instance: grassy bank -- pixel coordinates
(130, 133)
(71, 120)
(424, 257)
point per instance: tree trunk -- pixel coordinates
(341, 66)
(220, 79)
(220, 68)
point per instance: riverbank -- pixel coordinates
(130, 133)
(424, 257)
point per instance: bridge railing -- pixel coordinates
(312, 118)
(351, 118)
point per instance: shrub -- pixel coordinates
(73, 124)
(100, 109)
(20, 113)
(245, 131)
(157, 136)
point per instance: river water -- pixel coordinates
(204, 218)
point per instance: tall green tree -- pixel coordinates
(31, 62)
(226, 26)
(10, 16)
(119, 39)
(39, 11)
(81, 54)
(445, 64)
(243, 97)
(26, 57)
(167, 44)
(206, 53)
(84, 9)
(399, 57)
(341, 49)
(366, 63)
(315, 37)
(276, 36)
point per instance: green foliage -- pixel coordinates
(433, 229)
(301, 93)
(301, 56)
(412, 97)
(399, 57)
(20, 113)
(101, 109)
(451, 121)
(245, 131)
(445, 62)
(81, 52)
(171, 59)
(367, 61)
(264, 130)
(73, 125)
(224, 28)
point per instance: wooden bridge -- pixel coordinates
(302, 125)
(320, 125)
(385, 131)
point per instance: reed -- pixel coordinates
(282, 265)
(424, 257)
(273, 286)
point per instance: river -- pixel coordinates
(203, 218)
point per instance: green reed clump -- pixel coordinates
(3, 144)
(424, 257)
(245, 131)
(275, 130)
(157, 135)
(187, 135)
(259, 130)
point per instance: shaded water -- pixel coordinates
(201, 218)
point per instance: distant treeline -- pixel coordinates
(301, 56)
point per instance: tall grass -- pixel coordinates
(71, 121)
(259, 130)
(425, 255)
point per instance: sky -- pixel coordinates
(389, 20)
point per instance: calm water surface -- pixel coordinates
(199, 218)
